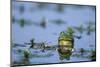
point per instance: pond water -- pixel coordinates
(43, 23)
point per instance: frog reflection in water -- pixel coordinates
(66, 44)
(64, 55)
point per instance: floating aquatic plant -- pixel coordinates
(43, 23)
(22, 22)
(26, 54)
(90, 27)
(93, 55)
(58, 22)
(70, 31)
(79, 28)
(82, 51)
(42, 55)
(32, 43)
(21, 8)
(60, 8)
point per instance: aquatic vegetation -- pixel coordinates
(76, 55)
(93, 55)
(62, 34)
(42, 55)
(91, 45)
(78, 37)
(58, 22)
(82, 51)
(60, 8)
(19, 51)
(50, 47)
(18, 45)
(70, 32)
(32, 43)
(43, 23)
(15, 45)
(21, 8)
(90, 27)
(80, 29)
(22, 22)
(26, 54)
